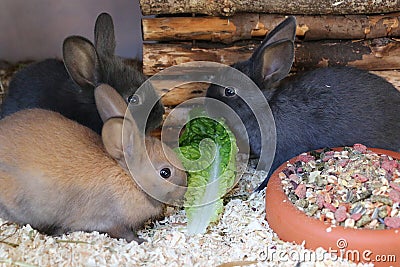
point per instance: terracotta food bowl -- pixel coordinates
(381, 247)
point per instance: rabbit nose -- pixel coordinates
(177, 195)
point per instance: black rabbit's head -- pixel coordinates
(269, 64)
(90, 65)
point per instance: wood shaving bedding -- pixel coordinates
(242, 237)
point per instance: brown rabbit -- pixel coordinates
(60, 176)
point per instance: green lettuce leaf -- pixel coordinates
(208, 151)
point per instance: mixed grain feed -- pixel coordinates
(354, 187)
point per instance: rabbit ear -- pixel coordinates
(273, 63)
(111, 135)
(104, 37)
(121, 135)
(80, 60)
(123, 141)
(286, 30)
(109, 103)
(272, 60)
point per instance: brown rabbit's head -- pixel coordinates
(152, 164)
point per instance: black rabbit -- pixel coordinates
(67, 87)
(327, 107)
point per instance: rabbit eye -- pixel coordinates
(230, 91)
(134, 99)
(165, 173)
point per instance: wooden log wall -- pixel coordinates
(375, 54)
(250, 25)
(231, 7)
(328, 33)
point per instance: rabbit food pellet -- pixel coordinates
(354, 187)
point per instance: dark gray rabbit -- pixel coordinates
(327, 107)
(67, 87)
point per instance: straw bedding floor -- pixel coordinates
(242, 237)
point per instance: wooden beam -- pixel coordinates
(376, 54)
(230, 7)
(172, 96)
(249, 25)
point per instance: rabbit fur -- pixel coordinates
(59, 176)
(326, 107)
